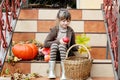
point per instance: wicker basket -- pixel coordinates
(77, 67)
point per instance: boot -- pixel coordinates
(63, 77)
(51, 69)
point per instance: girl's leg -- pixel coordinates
(53, 52)
(62, 49)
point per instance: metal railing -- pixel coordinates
(9, 11)
(111, 18)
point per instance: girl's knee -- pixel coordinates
(54, 46)
(62, 47)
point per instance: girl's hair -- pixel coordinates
(63, 14)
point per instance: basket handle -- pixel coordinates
(89, 55)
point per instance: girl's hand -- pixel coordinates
(62, 42)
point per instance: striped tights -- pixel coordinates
(55, 48)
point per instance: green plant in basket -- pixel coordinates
(84, 40)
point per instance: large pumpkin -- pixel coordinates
(25, 51)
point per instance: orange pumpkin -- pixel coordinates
(25, 51)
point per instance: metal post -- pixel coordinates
(107, 50)
(78, 4)
(119, 43)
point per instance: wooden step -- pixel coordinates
(93, 78)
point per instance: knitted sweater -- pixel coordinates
(61, 33)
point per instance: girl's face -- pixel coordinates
(64, 23)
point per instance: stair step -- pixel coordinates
(93, 78)
(100, 68)
(37, 27)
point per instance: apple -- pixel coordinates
(46, 58)
(45, 51)
(66, 39)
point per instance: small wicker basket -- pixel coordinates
(77, 67)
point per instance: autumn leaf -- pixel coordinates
(82, 39)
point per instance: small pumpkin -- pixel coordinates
(25, 51)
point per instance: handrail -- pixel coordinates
(9, 11)
(110, 12)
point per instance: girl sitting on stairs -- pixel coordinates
(55, 42)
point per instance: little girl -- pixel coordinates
(55, 42)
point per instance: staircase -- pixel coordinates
(88, 18)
